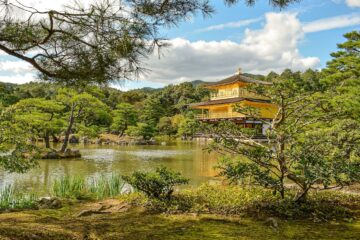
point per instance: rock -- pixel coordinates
(50, 155)
(70, 153)
(73, 139)
(49, 203)
(105, 207)
(272, 222)
(163, 144)
(123, 142)
(98, 141)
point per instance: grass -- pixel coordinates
(10, 199)
(93, 188)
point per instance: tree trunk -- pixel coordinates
(303, 196)
(55, 138)
(123, 130)
(68, 130)
(47, 140)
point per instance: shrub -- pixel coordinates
(158, 184)
(259, 202)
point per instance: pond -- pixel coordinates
(188, 158)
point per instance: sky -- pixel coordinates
(257, 39)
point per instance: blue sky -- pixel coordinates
(257, 39)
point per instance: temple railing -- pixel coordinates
(219, 115)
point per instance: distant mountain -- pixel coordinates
(254, 76)
(198, 82)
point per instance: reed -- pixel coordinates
(11, 199)
(92, 188)
(69, 187)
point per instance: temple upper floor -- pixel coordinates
(234, 87)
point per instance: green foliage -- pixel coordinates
(10, 199)
(125, 115)
(170, 101)
(258, 202)
(189, 126)
(94, 188)
(274, 3)
(312, 141)
(342, 78)
(95, 44)
(143, 130)
(106, 186)
(166, 127)
(69, 187)
(17, 153)
(158, 184)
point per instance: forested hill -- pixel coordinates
(144, 112)
(141, 112)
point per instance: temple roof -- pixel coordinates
(227, 100)
(237, 78)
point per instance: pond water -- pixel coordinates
(188, 158)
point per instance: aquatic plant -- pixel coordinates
(11, 199)
(88, 188)
(69, 187)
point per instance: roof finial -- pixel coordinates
(238, 72)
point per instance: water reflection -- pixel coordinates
(189, 159)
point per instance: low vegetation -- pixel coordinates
(158, 184)
(209, 212)
(11, 199)
(93, 188)
(260, 203)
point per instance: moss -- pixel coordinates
(140, 224)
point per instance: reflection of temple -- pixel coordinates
(230, 91)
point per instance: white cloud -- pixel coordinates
(272, 48)
(332, 23)
(15, 66)
(43, 5)
(353, 3)
(237, 24)
(18, 78)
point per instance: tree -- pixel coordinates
(103, 42)
(125, 115)
(78, 106)
(40, 116)
(166, 127)
(274, 3)
(143, 130)
(7, 97)
(342, 77)
(189, 126)
(17, 153)
(306, 144)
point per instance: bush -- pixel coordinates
(259, 202)
(156, 185)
